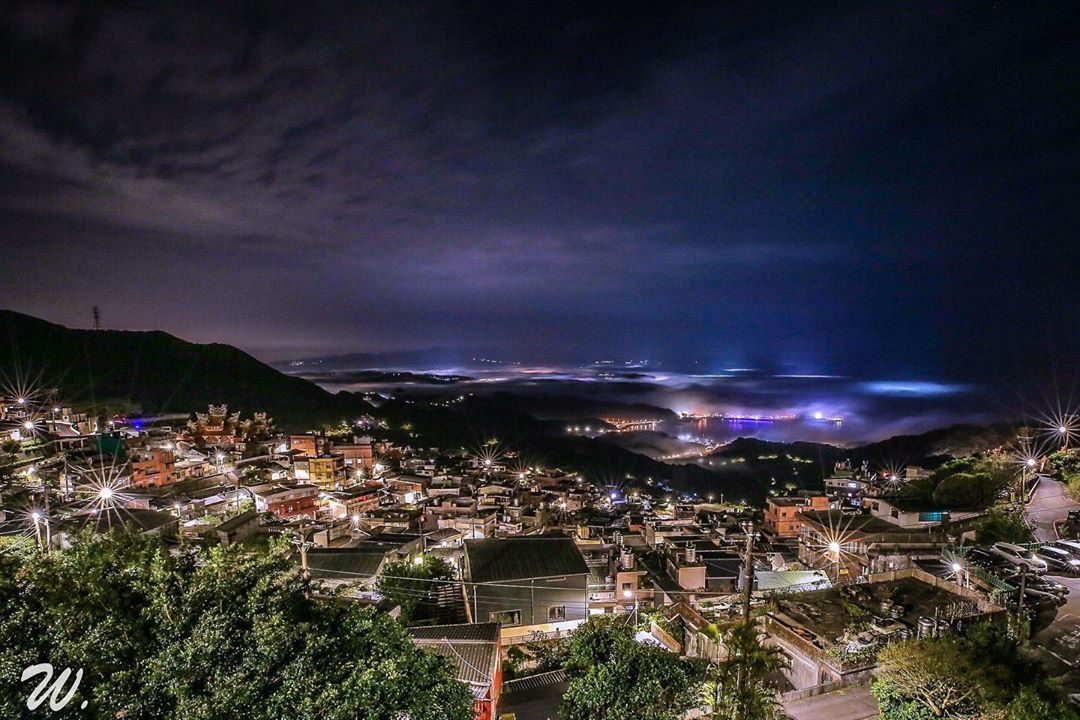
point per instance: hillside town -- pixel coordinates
(491, 562)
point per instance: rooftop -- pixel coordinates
(343, 563)
(827, 613)
(523, 558)
(474, 649)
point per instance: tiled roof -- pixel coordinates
(523, 558)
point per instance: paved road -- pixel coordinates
(853, 703)
(1049, 505)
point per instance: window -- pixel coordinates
(507, 617)
(626, 586)
(935, 516)
(556, 613)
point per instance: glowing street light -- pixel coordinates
(105, 494)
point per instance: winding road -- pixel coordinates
(1049, 504)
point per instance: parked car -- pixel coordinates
(1058, 560)
(984, 559)
(1019, 556)
(1070, 546)
(1033, 596)
(991, 563)
(1046, 585)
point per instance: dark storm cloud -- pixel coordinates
(815, 186)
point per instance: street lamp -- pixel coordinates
(36, 517)
(834, 549)
(628, 594)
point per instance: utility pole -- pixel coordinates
(302, 544)
(48, 519)
(1020, 602)
(748, 570)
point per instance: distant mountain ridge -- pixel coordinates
(158, 373)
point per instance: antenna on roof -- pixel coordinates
(97, 318)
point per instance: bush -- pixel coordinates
(207, 634)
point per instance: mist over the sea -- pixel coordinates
(839, 410)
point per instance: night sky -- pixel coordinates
(875, 188)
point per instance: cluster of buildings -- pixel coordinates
(535, 551)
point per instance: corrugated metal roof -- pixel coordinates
(343, 563)
(534, 681)
(523, 558)
(473, 632)
(474, 650)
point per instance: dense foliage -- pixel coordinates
(411, 584)
(970, 483)
(613, 677)
(1003, 525)
(978, 674)
(207, 634)
(738, 685)
(1066, 465)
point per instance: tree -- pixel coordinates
(737, 685)
(934, 676)
(613, 677)
(1000, 525)
(980, 673)
(966, 490)
(410, 584)
(207, 634)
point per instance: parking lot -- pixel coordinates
(1057, 636)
